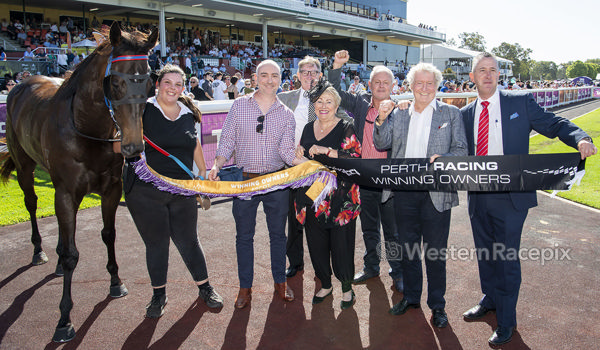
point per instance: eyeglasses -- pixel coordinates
(260, 126)
(312, 73)
(10, 84)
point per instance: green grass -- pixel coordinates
(589, 191)
(12, 207)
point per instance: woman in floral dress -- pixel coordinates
(330, 229)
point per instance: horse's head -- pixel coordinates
(127, 83)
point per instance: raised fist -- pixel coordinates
(340, 58)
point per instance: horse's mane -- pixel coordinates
(131, 40)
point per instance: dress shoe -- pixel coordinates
(502, 335)
(293, 270)
(402, 307)
(399, 284)
(476, 312)
(243, 298)
(364, 275)
(440, 319)
(348, 304)
(156, 306)
(318, 299)
(284, 291)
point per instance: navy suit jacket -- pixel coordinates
(521, 114)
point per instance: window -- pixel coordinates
(31, 17)
(77, 22)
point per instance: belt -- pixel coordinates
(250, 175)
(253, 175)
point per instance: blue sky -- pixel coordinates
(558, 31)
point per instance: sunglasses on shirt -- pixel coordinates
(260, 126)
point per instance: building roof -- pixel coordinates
(443, 50)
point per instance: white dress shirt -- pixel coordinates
(418, 131)
(301, 115)
(495, 145)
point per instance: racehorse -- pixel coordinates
(67, 130)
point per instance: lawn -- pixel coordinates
(12, 207)
(589, 191)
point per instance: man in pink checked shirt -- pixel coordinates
(260, 130)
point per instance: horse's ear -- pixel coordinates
(152, 38)
(115, 34)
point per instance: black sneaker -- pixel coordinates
(156, 307)
(210, 297)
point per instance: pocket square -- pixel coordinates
(443, 126)
(514, 115)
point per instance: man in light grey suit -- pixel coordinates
(309, 72)
(431, 129)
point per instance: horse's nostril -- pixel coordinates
(132, 149)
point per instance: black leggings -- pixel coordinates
(160, 215)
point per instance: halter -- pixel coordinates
(136, 85)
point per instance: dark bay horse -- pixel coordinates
(67, 130)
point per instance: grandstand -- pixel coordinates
(371, 33)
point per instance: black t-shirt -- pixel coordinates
(177, 137)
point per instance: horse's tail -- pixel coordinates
(8, 165)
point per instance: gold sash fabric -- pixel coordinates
(304, 174)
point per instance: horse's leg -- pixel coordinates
(25, 169)
(59, 269)
(66, 212)
(110, 202)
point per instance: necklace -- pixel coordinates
(326, 127)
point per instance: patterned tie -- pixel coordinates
(483, 131)
(312, 116)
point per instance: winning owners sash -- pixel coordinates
(527, 172)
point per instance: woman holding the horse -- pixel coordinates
(330, 228)
(169, 122)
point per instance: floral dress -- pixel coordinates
(342, 204)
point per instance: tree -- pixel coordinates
(593, 69)
(451, 42)
(518, 55)
(577, 69)
(472, 41)
(561, 73)
(544, 70)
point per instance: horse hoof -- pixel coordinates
(39, 258)
(59, 270)
(118, 291)
(64, 334)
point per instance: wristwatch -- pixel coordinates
(588, 139)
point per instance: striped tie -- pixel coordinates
(483, 131)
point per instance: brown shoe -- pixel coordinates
(284, 291)
(243, 298)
